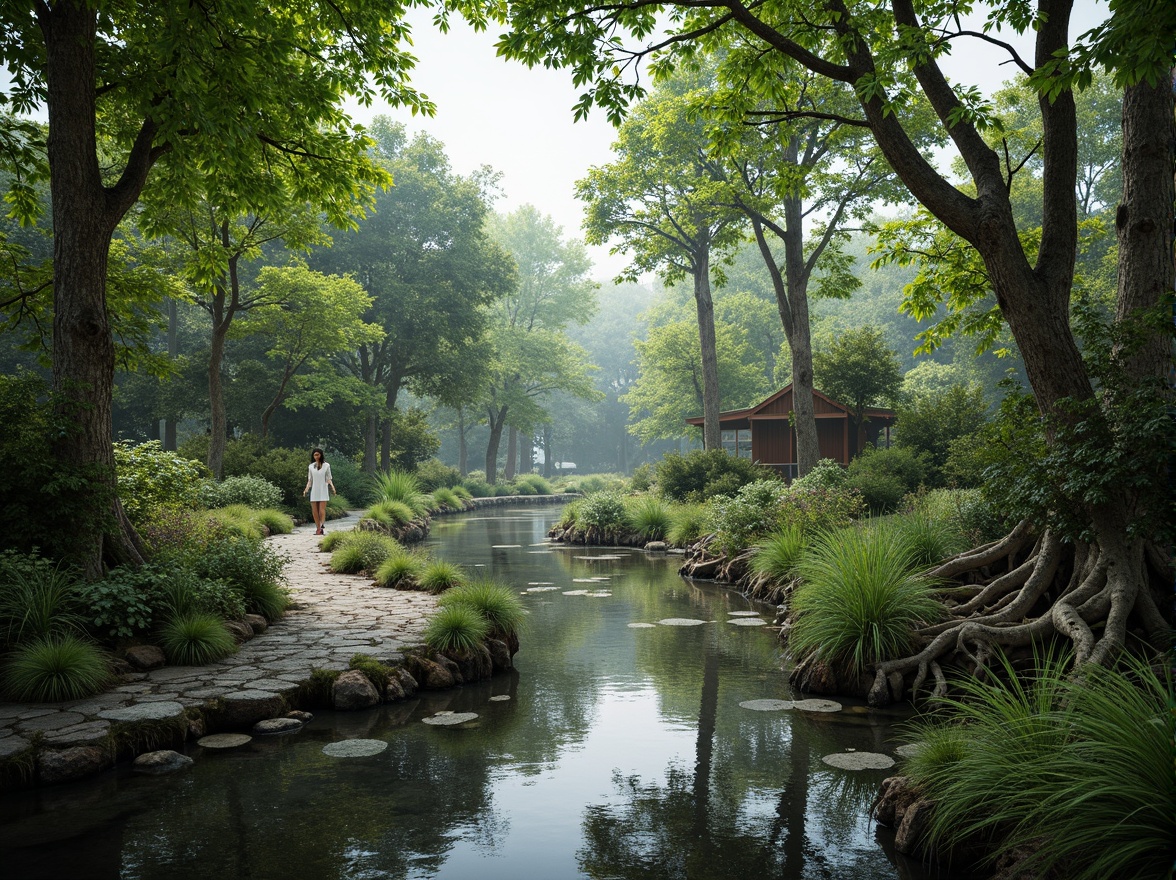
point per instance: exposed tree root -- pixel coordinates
(1095, 596)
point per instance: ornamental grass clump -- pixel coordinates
(689, 523)
(495, 602)
(390, 514)
(446, 499)
(777, 557)
(37, 599)
(56, 667)
(362, 551)
(402, 570)
(331, 541)
(439, 575)
(930, 540)
(860, 600)
(649, 517)
(1071, 771)
(401, 486)
(195, 638)
(457, 629)
(535, 483)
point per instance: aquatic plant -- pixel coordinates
(860, 599)
(1038, 765)
(494, 601)
(456, 628)
(195, 638)
(55, 667)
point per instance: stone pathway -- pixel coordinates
(335, 616)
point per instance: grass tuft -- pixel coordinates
(688, 524)
(403, 487)
(439, 576)
(860, 599)
(362, 551)
(495, 602)
(195, 639)
(778, 556)
(649, 517)
(55, 667)
(456, 628)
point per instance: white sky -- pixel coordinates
(519, 121)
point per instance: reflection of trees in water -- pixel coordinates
(713, 822)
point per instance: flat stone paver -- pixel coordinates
(335, 616)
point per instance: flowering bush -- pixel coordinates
(255, 492)
(752, 513)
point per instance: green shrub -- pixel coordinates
(53, 668)
(1033, 767)
(349, 479)
(434, 474)
(700, 475)
(175, 591)
(965, 509)
(520, 487)
(253, 567)
(649, 517)
(884, 476)
(495, 602)
(151, 477)
(462, 493)
(402, 570)
(237, 520)
(37, 599)
(457, 629)
(568, 516)
(601, 510)
(537, 485)
(860, 600)
(362, 551)
(250, 455)
(777, 557)
(195, 638)
(641, 479)
(826, 474)
(122, 604)
(477, 486)
(253, 492)
(751, 514)
(439, 575)
(174, 530)
(820, 509)
(688, 523)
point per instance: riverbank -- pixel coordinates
(333, 617)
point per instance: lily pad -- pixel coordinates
(354, 748)
(743, 614)
(448, 719)
(224, 740)
(575, 592)
(500, 698)
(766, 705)
(642, 626)
(813, 705)
(909, 750)
(681, 621)
(859, 761)
(747, 621)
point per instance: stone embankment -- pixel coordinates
(301, 661)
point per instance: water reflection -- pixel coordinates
(621, 753)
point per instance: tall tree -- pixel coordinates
(1089, 544)
(425, 258)
(170, 82)
(663, 202)
(859, 370)
(533, 357)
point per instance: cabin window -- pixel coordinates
(737, 443)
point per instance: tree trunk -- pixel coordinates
(218, 423)
(496, 422)
(393, 391)
(173, 351)
(711, 430)
(85, 214)
(369, 444)
(462, 450)
(548, 463)
(527, 454)
(512, 446)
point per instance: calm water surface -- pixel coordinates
(623, 752)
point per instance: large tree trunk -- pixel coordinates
(393, 391)
(173, 351)
(705, 307)
(512, 446)
(462, 450)
(85, 214)
(496, 420)
(217, 422)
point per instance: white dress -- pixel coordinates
(319, 477)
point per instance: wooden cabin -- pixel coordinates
(763, 432)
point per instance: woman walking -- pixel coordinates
(319, 485)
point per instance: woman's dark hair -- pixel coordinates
(318, 466)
